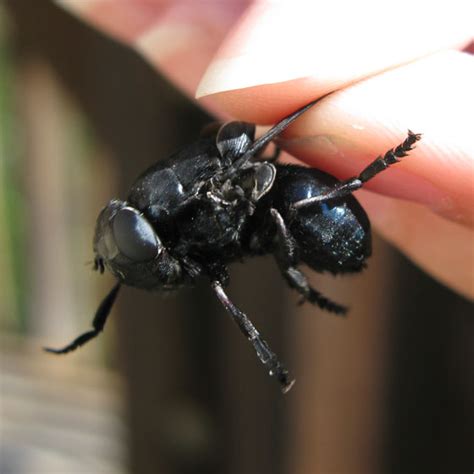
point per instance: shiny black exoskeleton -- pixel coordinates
(215, 202)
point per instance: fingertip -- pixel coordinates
(276, 42)
(433, 97)
(441, 247)
(266, 104)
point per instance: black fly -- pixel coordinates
(213, 203)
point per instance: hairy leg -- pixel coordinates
(377, 166)
(264, 353)
(287, 259)
(98, 324)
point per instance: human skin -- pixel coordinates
(390, 68)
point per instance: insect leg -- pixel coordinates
(377, 166)
(287, 259)
(297, 280)
(98, 324)
(277, 129)
(261, 142)
(264, 353)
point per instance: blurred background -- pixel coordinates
(172, 386)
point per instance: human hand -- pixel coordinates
(392, 69)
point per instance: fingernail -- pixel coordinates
(332, 42)
(263, 49)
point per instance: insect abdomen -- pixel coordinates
(333, 235)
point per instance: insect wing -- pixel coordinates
(234, 139)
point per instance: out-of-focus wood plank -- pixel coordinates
(44, 186)
(57, 420)
(180, 415)
(336, 408)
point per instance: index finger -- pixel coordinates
(321, 47)
(349, 128)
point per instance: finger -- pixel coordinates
(432, 96)
(344, 132)
(443, 248)
(325, 45)
(177, 37)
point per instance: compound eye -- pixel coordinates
(134, 236)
